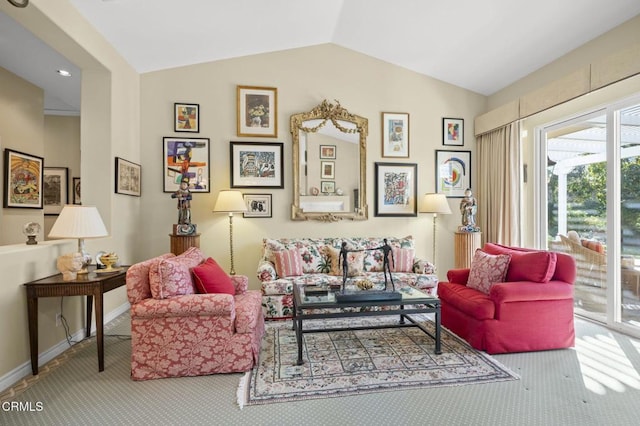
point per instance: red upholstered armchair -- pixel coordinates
(176, 332)
(532, 309)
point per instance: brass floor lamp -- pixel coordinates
(231, 202)
(436, 204)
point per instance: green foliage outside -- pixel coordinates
(587, 202)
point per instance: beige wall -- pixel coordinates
(109, 128)
(304, 77)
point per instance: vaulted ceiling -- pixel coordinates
(480, 46)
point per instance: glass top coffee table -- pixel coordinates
(308, 300)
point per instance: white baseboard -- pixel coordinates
(44, 357)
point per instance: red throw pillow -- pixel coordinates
(209, 277)
(487, 269)
(537, 266)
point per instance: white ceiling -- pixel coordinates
(482, 46)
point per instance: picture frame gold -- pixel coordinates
(257, 111)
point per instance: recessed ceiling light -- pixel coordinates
(64, 73)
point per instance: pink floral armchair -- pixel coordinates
(191, 334)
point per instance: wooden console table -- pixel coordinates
(465, 245)
(92, 285)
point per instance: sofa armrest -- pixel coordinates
(266, 271)
(248, 311)
(240, 283)
(458, 276)
(185, 306)
(526, 291)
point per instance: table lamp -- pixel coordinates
(79, 222)
(231, 202)
(434, 203)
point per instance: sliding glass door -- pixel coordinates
(592, 208)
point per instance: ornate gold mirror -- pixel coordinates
(329, 164)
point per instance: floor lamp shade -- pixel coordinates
(231, 202)
(79, 222)
(436, 204)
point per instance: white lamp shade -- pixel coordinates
(230, 201)
(78, 222)
(434, 203)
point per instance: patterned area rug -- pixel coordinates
(345, 363)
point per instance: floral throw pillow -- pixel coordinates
(355, 262)
(487, 269)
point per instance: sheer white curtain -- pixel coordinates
(499, 189)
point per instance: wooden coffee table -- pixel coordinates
(413, 301)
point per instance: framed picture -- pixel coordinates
(256, 165)
(186, 117)
(186, 158)
(328, 152)
(75, 189)
(453, 172)
(327, 186)
(396, 189)
(55, 189)
(453, 131)
(128, 177)
(23, 180)
(327, 170)
(257, 111)
(395, 134)
(258, 205)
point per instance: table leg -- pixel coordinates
(438, 327)
(298, 327)
(32, 310)
(99, 329)
(87, 333)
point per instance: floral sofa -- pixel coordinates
(285, 262)
(178, 331)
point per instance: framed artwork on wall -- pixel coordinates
(55, 189)
(453, 131)
(75, 189)
(23, 180)
(327, 170)
(186, 117)
(396, 188)
(128, 177)
(185, 158)
(258, 205)
(256, 165)
(257, 111)
(327, 186)
(395, 134)
(453, 172)
(327, 152)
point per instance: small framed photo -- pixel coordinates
(128, 177)
(327, 187)
(23, 180)
(328, 152)
(55, 189)
(395, 134)
(75, 189)
(453, 131)
(453, 172)
(186, 117)
(256, 165)
(257, 111)
(396, 189)
(327, 170)
(258, 205)
(186, 158)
